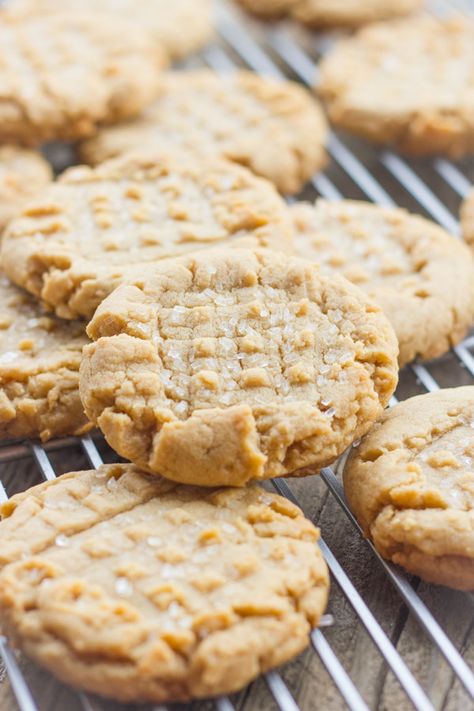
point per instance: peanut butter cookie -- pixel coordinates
(233, 365)
(330, 13)
(406, 83)
(467, 219)
(64, 74)
(422, 277)
(93, 228)
(22, 174)
(411, 485)
(144, 590)
(39, 369)
(274, 128)
(179, 27)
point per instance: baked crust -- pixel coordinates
(142, 590)
(273, 127)
(64, 74)
(39, 369)
(332, 13)
(379, 84)
(94, 228)
(226, 366)
(421, 277)
(410, 483)
(177, 27)
(22, 173)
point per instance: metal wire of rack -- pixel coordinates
(432, 187)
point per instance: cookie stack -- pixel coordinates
(211, 367)
(168, 295)
(174, 592)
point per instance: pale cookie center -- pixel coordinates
(221, 349)
(183, 117)
(447, 466)
(26, 330)
(401, 68)
(128, 222)
(178, 564)
(366, 251)
(32, 55)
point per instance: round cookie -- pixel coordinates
(379, 84)
(144, 590)
(274, 128)
(411, 485)
(93, 228)
(39, 369)
(467, 219)
(179, 27)
(422, 277)
(330, 13)
(227, 366)
(22, 174)
(64, 74)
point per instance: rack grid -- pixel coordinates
(383, 644)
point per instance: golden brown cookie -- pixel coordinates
(411, 485)
(467, 219)
(274, 128)
(268, 8)
(380, 84)
(228, 366)
(64, 74)
(330, 13)
(179, 27)
(144, 590)
(93, 228)
(39, 369)
(22, 174)
(422, 277)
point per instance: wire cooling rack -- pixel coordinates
(388, 641)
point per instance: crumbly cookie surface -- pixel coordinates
(274, 128)
(22, 173)
(467, 219)
(328, 13)
(228, 366)
(379, 84)
(92, 228)
(268, 8)
(64, 74)
(411, 485)
(422, 277)
(178, 27)
(144, 590)
(39, 369)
